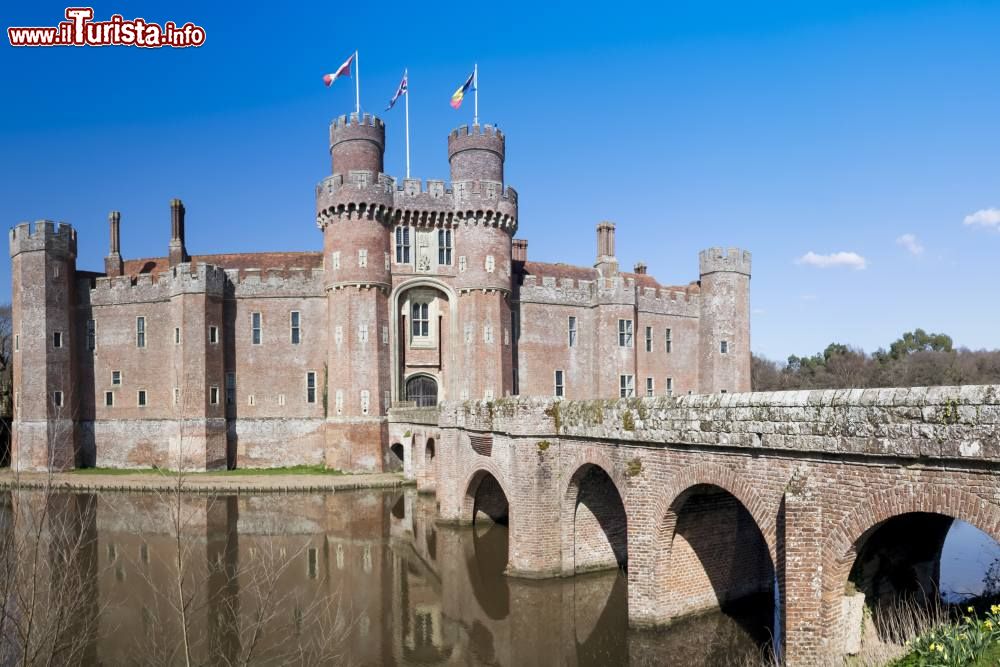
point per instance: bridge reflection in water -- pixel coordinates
(402, 590)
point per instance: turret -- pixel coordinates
(476, 154)
(357, 145)
(724, 357)
(43, 273)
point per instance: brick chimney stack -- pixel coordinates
(607, 263)
(113, 265)
(519, 250)
(178, 253)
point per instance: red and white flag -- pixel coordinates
(343, 70)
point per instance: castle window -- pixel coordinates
(420, 320)
(250, 400)
(140, 398)
(670, 342)
(362, 257)
(177, 395)
(140, 331)
(626, 386)
(649, 339)
(491, 263)
(230, 388)
(57, 339)
(335, 260)
(468, 333)
(625, 333)
(338, 334)
(723, 391)
(57, 399)
(296, 332)
(487, 333)
(311, 387)
(572, 332)
(338, 402)
(724, 347)
(365, 401)
(387, 267)
(177, 335)
(91, 335)
(116, 377)
(402, 245)
(213, 335)
(670, 386)
(444, 246)
(255, 329)
(17, 342)
(649, 387)
(363, 333)
(213, 395)
(281, 399)
(560, 389)
(385, 334)
(461, 264)
(109, 399)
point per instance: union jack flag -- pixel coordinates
(399, 91)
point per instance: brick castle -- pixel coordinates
(419, 295)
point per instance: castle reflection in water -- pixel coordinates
(362, 578)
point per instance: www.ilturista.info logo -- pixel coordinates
(81, 30)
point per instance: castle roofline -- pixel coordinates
(241, 261)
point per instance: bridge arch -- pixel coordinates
(484, 492)
(593, 519)
(921, 501)
(679, 566)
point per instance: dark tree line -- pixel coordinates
(916, 359)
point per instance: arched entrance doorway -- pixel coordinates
(422, 390)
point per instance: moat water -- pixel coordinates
(370, 578)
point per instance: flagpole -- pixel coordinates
(475, 90)
(406, 75)
(357, 85)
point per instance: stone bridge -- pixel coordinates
(836, 497)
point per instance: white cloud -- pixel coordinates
(835, 259)
(912, 245)
(984, 217)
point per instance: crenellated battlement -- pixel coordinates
(181, 279)
(417, 201)
(291, 282)
(56, 238)
(351, 120)
(734, 260)
(202, 279)
(615, 290)
(490, 131)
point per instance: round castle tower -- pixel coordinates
(486, 220)
(476, 154)
(724, 363)
(353, 206)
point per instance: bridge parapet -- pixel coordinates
(961, 422)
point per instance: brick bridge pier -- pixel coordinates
(841, 497)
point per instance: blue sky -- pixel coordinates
(785, 128)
